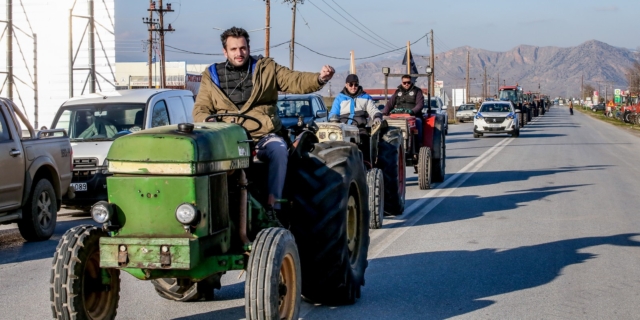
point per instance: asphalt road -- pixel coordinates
(542, 226)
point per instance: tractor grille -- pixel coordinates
(491, 120)
(404, 126)
(84, 168)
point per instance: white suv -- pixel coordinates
(496, 117)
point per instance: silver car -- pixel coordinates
(465, 112)
(496, 117)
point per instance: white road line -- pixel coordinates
(465, 172)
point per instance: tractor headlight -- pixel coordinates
(333, 136)
(101, 212)
(186, 213)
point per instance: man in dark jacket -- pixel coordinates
(408, 96)
(249, 85)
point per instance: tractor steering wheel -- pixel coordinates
(218, 117)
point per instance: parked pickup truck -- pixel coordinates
(36, 174)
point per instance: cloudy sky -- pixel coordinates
(334, 27)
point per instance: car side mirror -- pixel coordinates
(518, 111)
(321, 114)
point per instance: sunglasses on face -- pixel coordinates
(352, 84)
(406, 82)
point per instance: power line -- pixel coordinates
(363, 58)
(348, 20)
(354, 18)
(338, 22)
(220, 54)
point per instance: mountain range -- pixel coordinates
(558, 71)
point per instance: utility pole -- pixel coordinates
(9, 50)
(433, 69)
(161, 10)
(267, 29)
(151, 24)
(92, 50)
(468, 94)
(484, 92)
(498, 83)
(293, 35)
(582, 87)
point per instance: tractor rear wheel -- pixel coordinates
(328, 188)
(375, 185)
(392, 163)
(439, 156)
(424, 168)
(272, 287)
(80, 289)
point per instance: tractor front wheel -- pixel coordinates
(80, 289)
(273, 283)
(375, 184)
(392, 163)
(424, 168)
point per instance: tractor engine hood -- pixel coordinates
(209, 147)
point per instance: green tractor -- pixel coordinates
(186, 205)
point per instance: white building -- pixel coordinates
(49, 20)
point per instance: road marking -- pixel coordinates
(417, 210)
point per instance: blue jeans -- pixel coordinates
(272, 149)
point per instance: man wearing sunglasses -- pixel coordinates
(354, 104)
(410, 97)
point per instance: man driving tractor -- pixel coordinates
(352, 103)
(249, 85)
(409, 97)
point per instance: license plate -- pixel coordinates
(494, 126)
(79, 186)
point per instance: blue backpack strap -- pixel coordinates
(253, 64)
(214, 74)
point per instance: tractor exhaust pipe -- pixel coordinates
(244, 198)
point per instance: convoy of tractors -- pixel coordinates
(187, 203)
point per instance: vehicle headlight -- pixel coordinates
(101, 212)
(186, 213)
(479, 116)
(509, 117)
(333, 136)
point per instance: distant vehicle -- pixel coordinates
(95, 120)
(598, 107)
(308, 106)
(465, 112)
(496, 117)
(36, 172)
(438, 106)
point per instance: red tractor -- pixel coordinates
(517, 97)
(426, 153)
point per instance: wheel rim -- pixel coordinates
(287, 288)
(44, 210)
(352, 225)
(95, 295)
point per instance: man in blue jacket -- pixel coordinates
(353, 103)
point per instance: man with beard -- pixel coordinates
(352, 103)
(249, 85)
(410, 97)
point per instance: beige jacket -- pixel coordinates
(268, 78)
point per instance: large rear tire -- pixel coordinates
(391, 161)
(424, 168)
(439, 156)
(78, 289)
(39, 217)
(330, 221)
(375, 185)
(272, 287)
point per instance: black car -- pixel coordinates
(598, 107)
